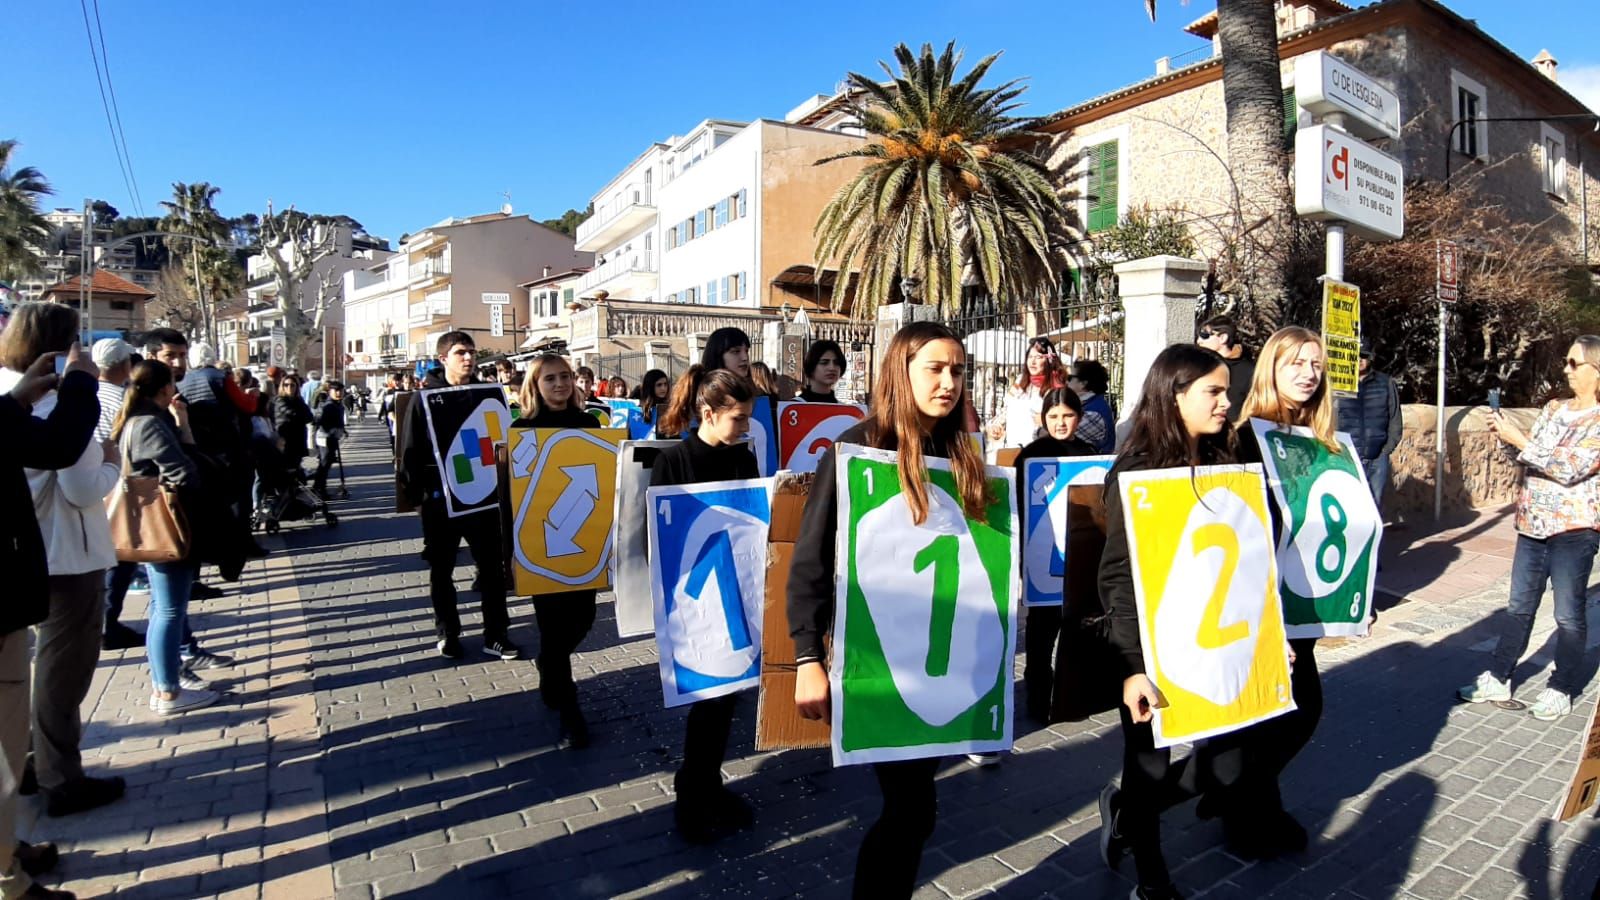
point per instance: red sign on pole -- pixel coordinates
(1448, 286)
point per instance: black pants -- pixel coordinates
(705, 746)
(1273, 743)
(1038, 674)
(891, 853)
(1153, 783)
(325, 458)
(564, 621)
(441, 538)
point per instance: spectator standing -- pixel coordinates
(114, 358)
(1221, 333)
(291, 416)
(1019, 422)
(55, 441)
(1090, 381)
(1558, 512)
(69, 504)
(1374, 421)
(308, 391)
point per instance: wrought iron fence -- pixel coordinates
(633, 366)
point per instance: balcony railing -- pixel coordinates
(642, 261)
(662, 320)
(630, 206)
(433, 267)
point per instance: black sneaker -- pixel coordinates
(1165, 892)
(732, 811)
(574, 730)
(84, 794)
(449, 648)
(205, 659)
(1112, 844)
(36, 859)
(502, 648)
(121, 637)
(202, 591)
(28, 785)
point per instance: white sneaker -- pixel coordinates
(184, 702)
(985, 759)
(1551, 705)
(1486, 689)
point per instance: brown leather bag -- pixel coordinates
(147, 523)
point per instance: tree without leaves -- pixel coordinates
(22, 226)
(294, 242)
(951, 185)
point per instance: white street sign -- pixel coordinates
(279, 353)
(1339, 178)
(1326, 85)
(496, 299)
(497, 320)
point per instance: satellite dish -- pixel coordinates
(505, 208)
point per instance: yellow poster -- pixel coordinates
(1206, 583)
(1341, 334)
(563, 491)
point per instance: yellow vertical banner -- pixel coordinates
(1206, 583)
(563, 493)
(1341, 334)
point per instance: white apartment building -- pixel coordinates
(68, 223)
(623, 234)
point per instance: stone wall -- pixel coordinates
(1477, 472)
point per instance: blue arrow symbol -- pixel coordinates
(716, 554)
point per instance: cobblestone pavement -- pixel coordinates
(353, 762)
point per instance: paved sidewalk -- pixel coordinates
(355, 763)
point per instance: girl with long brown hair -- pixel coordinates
(1019, 422)
(920, 410)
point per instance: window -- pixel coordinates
(700, 222)
(742, 213)
(1553, 161)
(672, 297)
(1102, 188)
(1291, 117)
(726, 297)
(691, 295)
(122, 305)
(566, 295)
(711, 293)
(722, 212)
(1471, 107)
(672, 238)
(744, 280)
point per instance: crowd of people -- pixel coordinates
(218, 441)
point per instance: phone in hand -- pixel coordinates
(1494, 400)
(61, 364)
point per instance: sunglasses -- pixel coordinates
(1574, 364)
(1206, 335)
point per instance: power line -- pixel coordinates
(94, 56)
(138, 200)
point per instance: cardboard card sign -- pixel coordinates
(925, 618)
(1204, 577)
(764, 436)
(629, 414)
(1586, 780)
(563, 483)
(1328, 547)
(708, 567)
(630, 569)
(464, 423)
(402, 419)
(778, 723)
(807, 430)
(1046, 498)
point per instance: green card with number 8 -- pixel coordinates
(1331, 530)
(925, 618)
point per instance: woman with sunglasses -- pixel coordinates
(1558, 511)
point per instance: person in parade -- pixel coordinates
(617, 388)
(1098, 427)
(727, 348)
(549, 400)
(1182, 420)
(1558, 512)
(1019, 419)
(1221, 333)
(824, 366)
(715, 450)
(330, 422)
(920, 411)
(765, 380)
(442, 535)
(1061, 411)
(653, 393)
(1288, 388)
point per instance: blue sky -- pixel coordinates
(400, 114)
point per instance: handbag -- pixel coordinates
(147, 522)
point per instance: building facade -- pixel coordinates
(114, 304)
(67, 226)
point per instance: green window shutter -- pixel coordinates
(1103, 185)
(1291, 118)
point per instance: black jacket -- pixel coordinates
(558, 418)
(1240, 371)
(811, 572)
(1373, 417)
(330, 415)
(51, 443)
(810, 396)
(291, 416)
(693, 461)
(1116, 572)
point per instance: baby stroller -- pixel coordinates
(286, 495)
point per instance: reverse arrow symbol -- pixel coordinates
(570, 511)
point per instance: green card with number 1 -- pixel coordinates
(925, 619)
(1331, 529)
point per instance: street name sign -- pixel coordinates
(1326, 85)
(496, 298)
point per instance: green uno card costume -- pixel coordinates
(1331, 530)
(925, 620)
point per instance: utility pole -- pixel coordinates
(86, 272)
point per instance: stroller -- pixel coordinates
(286, 493)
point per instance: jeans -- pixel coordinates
(170, 584)
(564, 621)
(891, 852)
(1377, 478)
(1565, 561)
(118, 578)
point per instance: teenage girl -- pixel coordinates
(920, 410)
(549, 400)
(1182, 420)
(1062, 411)
(715, 451)
(727, 348)
(1018, 422)
(1288, 389)
(824, 366)
(653, 394)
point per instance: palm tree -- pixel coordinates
(190, 212)
(22, 226)
(951, 185)
(1252, 90)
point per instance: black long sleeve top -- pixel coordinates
(693, 461)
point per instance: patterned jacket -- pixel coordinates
(1560, 491)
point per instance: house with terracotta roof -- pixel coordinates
(1162, 143)
(117, 304)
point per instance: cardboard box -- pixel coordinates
(1585, 781)
(402, 417)
(778, 723)
(789, 494)
(1007, 457)
(777, 648)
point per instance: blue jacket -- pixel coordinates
(1373, 417)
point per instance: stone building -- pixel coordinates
(1161, 142)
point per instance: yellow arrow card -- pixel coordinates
(563, 492)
